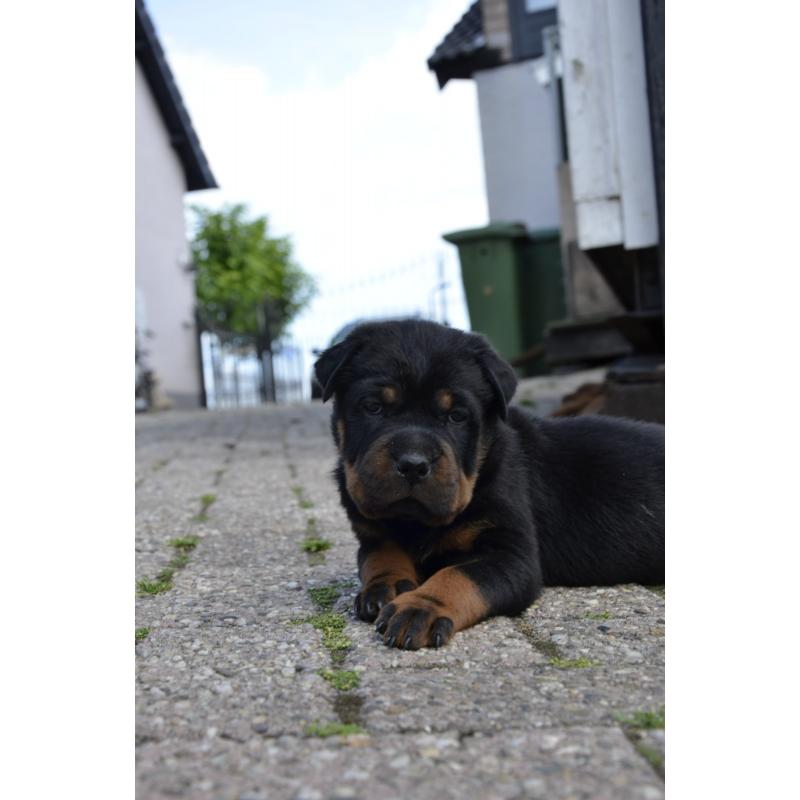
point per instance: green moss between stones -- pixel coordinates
(179, 561)
(301, 500)
(315, 545)
(185, 543)
(142, 634)
(163, 581)
(207, 500)
(331, 625)
(573, 663)
(324, 597)
(646, 720)
(343, 680)
(153, 587)
(334, 729)
(601, 615)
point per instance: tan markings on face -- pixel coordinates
(377, 467)
(340, 432)
(462, 497)
(462, 537)
(354, 486)
(389, 564)
(448, 593)
(381, 465)
(444, 399)
(389, 394)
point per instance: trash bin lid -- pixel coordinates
(501, 230)
(498, 230)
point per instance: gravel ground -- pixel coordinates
(254, 679)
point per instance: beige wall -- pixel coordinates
(164, 289)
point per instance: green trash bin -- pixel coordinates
(514, 285)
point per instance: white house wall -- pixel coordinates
(518, 133)
(165, 290)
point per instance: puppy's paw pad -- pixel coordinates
(410, 623)
(371, 599)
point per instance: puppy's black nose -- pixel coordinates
(413, 467)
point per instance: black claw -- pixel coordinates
(371, 610)
(390, 642)
(407, 643)
(437, 640)
(381, 626)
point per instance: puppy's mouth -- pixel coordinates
(393, 499)
(408, 508)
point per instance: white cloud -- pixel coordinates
(365, 175)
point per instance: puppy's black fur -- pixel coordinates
(465, 508)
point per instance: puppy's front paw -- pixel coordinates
(410, 622)
(371, 599)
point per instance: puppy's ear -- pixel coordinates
(498, 372)
(330, 362)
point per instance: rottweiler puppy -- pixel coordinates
(465, 508)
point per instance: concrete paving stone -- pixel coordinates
(558, 764)
(236, 679)
(619, 625)
(167, 503)
(487, 697)
(228, 678)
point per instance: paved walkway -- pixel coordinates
(254, 679)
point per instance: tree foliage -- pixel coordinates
(242, 270)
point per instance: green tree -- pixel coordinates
(241, 270)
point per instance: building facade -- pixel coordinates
(169, 163)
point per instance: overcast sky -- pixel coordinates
(325, 117)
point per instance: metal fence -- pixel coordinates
(240, 370)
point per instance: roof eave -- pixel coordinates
(183, 137)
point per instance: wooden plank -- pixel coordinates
(599, 222)
(588, 109)
(608, 127)
(653, 28)
(632, 124)
(587, 99)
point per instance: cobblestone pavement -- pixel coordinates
(255, 680)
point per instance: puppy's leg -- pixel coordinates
(386, 571)
(457, 597)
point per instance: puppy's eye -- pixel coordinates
(372, 407)
(457, 416)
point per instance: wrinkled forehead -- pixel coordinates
(417, 373)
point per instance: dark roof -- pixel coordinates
(159, 77)
(464, 50)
